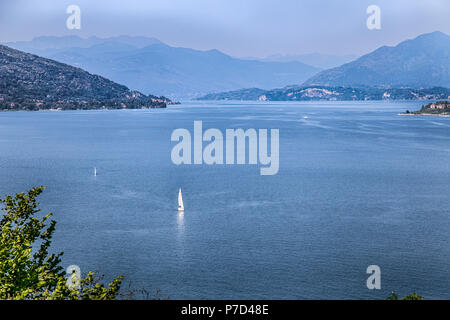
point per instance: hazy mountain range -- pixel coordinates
(423, 62)
(29, 82)
(319, 60)
(150, 66)
(414, 69)
(42, 44)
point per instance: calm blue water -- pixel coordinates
(357, 185)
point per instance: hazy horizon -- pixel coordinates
(251, 29)
(279, 55)
(275, 55)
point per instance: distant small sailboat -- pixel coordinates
(95, 171)
(180, 201)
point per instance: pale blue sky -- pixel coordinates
(237, 27)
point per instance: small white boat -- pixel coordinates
(95, 171)
(180, 201)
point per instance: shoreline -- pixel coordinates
(424, 114)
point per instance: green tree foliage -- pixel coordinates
(27, 269)
(413, 296)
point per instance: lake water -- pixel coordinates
(357, 185)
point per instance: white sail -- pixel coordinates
(95, 171)
(180, 201)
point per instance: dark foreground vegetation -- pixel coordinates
(28, 271)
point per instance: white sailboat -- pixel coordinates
(95, 171)
(180, 201)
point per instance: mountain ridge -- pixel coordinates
(30, 82)
(422, 62)
(61, 42)
(176, 72)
